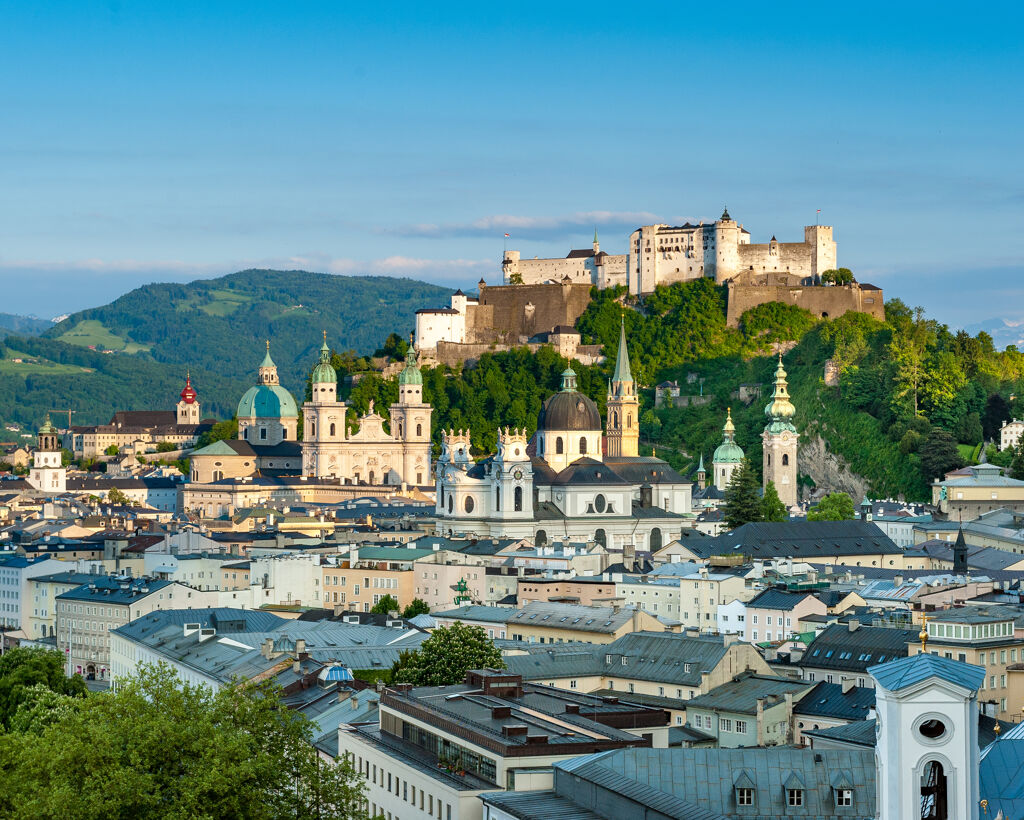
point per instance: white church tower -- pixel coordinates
(927, 750)
(48, 473)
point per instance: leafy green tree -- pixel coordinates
(742, 500)
(22, 669)
(112, 450)
(222, 430)
(445, 657)
(66, 457)
(161, 748)
(837, 276)
(166, 447)
(772, 508)
(969, 430)
(1017, 462)
(389, 603)
(516, 278)
(997, 411)
(416, 607)
(395, 346)
(116, 496)
(833, 507)
(939, 454)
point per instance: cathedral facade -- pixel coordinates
(370, 455)
(571, 481)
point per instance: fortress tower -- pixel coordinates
(623, 437)
(780, 441)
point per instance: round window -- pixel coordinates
(600, 504)
(932, 729)
(469, 503)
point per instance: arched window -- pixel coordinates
(519, 499)
(558, 445)
(451, 504)
(583, 444)
(629, 419)
(785, 459)
(497, 499)
(615, 419)
(399, 429)
(372, 477)
(541, 538)
(655, 539)
(601, 537)
(419, 430)
(768, 458)
(312, 428)
(218, 475)
(333, 429)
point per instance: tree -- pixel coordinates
(116, 496)
(417, 607)
(444, 658)
(66, 457)
(222, 430)
(516, 278)
(997, 411)
(939, 454)
(742, 501)
(166, 447)
(833, 507)
(389, 603)
(837, 276)
(22, 669)
(1017, 462)
(161, 748)
(111, 450)
(394, 346)
(772, 508)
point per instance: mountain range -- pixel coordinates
(134, 352)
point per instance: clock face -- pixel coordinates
(518, 474)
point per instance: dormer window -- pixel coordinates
(744, 797)
(794, 797)
(844, 797)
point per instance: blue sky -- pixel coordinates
(151, 142)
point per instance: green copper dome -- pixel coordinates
(411, 372)
(267, 401)
(323, 373)
(728, 452)
(47, 428)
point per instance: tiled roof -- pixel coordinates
(836, 647)
(774, 598)
(741, 694)
(905, 672)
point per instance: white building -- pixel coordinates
(1009, 433)
(292, 579)
(15, 573)
(48, 474)
(448, 324)
(732, 617)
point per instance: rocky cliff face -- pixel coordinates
(829, 472)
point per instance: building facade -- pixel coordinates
(48, 474)
(372, 454)
(266, 412)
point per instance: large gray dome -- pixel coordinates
(569, 410)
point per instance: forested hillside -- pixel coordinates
(133, 353)
(910, 390)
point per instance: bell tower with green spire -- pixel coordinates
(623, 436)
(780, 441)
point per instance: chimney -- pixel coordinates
(853, 625)
(848, 684)
(300, 647)
(267, 648)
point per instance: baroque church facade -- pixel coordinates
(572, 481)
(371, 454)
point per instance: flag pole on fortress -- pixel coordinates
(504, 245)
(817, 216)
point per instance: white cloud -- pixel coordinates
(527, 225)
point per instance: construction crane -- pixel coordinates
(68, 411)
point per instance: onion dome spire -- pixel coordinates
(323, 373)
(411, 372)
(780, 409)
(188, 393)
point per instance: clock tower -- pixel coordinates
(780, 441)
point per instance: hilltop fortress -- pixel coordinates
(542, 297)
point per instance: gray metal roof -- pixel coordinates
(906, 672)
(801, 539)
(829, 700)
(538, 806)
(653, 776)
(741, 694)
(836, 647)
(774, 598)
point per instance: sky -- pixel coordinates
(145, 141)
